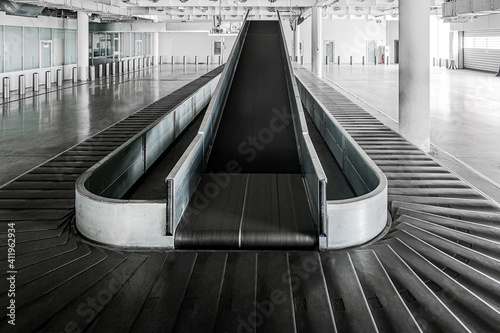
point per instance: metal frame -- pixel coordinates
(182, 180)
(358, 220)
(101, 215)
(312, 171)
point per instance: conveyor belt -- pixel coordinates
(437, 271)
(252, 195)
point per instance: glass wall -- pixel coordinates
(126, 44)
(24, 48)
(31, 46)
(114, 45)
(1, 49)
(70, 47)
(109, 45)
(58, 46)
(13, 45)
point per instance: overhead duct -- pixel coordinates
(20, 9)
(460, 8)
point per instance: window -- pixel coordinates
(58, 46)
(45, 34)
(109, 45)
(217, 48)
(69, 47)
(126, 44)
(31, 48)
(1, 49)
(13, 48)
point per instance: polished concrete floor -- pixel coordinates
(36, 128)
(465, 108)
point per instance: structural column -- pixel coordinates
(414, 72)
(155, 41)
(317, 40)
(296, 43)
(83, 46)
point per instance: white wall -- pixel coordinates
(350, 37)
(190, 44)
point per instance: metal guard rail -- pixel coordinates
(184, 177)
(358, 220)
(100, 213)
(314, 175)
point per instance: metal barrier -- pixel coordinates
(338, 60)
(363, 60)
(22, 85)
(182, 180)
(6, 87)
(59, 77)
(107, 69)
(101, 215)
(312, 171)
(75, 74)
(48, 80)
(36, 82)
(350, 60)
(208, 60)
(358, 220)
(99, 69)
(92, 73)
(196, 60)
(173, 60)
(184, 60)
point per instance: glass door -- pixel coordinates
(138, 48)
(330, 51)
(45, 53)
(371, 47)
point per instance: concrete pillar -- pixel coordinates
(414, 72)
(296, 43)
(317, 40)
(83, 45)
(156, 49)
(460, 59)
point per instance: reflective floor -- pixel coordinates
(465, 108)
(37, 128)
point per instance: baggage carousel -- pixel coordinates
(437, 269)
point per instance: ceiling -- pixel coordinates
(229, 10)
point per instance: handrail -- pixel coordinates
(315, 177)
(184, 177)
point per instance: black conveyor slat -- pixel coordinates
(256, 128)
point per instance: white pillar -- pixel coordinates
(156, 51)
(414, 72)
(83, 46)
(317, 40)
(296, 43)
